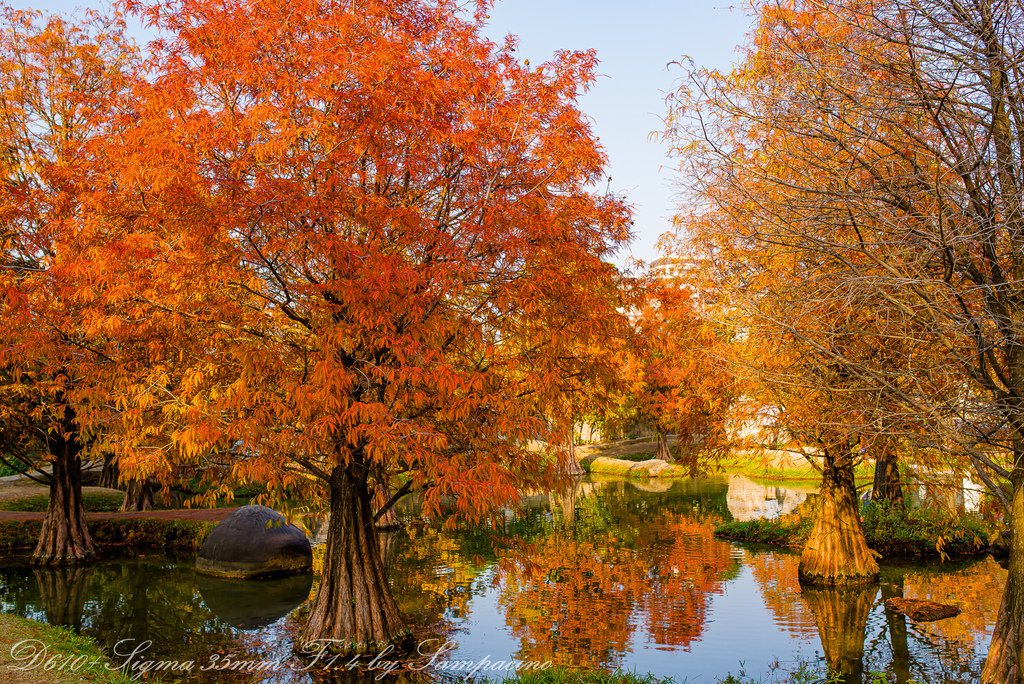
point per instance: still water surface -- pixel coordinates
(615, 574)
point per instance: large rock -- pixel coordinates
(255, 541)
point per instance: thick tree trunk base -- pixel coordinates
(1005, 659)
(64, 538)
(887, 486)
(354, 611)
(836, 553)
(138, 496)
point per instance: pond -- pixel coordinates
(613, 574)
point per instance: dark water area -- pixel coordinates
(614, 574)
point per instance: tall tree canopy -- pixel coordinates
(65, 88)
(391, 250)
(858, 179)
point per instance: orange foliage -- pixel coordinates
(575, 602)
(391, 248)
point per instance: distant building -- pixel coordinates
(672, 268)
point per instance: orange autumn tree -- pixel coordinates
(392, 226)
(826, 334)
(675, 381)
(63, 89)
(883, 142)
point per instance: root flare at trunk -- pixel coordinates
(836, 553)
(354, 611)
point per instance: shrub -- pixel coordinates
(894, 532)
(923, 532)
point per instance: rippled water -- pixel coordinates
(615, 574)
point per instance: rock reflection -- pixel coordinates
(749, 500)
(251, 604)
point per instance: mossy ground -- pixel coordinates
(118, 536)
(93, 502)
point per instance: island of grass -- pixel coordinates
(891, 531)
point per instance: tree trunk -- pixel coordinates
(64, 538)
(664, 453)
(572, 464)
(138, 496)
(887, 485)
(110, 476)
(836, 553)
(1006, 654)
(842, 617)
(353, 608)
(381, 496)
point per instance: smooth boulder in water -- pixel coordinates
(254, 542)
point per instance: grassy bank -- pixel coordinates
(635, 458)
(96, 502)
(917, 533)
(74, 658)
(118, 536)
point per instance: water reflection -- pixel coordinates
(842, 617)
(612, 573)
(252, 604)
(749, 500)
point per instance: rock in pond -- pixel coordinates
(920, 610)
(252, 542)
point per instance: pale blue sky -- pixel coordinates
(635, 42)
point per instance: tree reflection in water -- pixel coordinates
(604, 575)
(577, 595)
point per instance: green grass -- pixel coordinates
(788, 531)
(758, 468)
(563, 675)
(96, 502)
(892, 532)
(6, 470)
(81, 658)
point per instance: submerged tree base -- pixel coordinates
(837, 553)
(353, 612)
